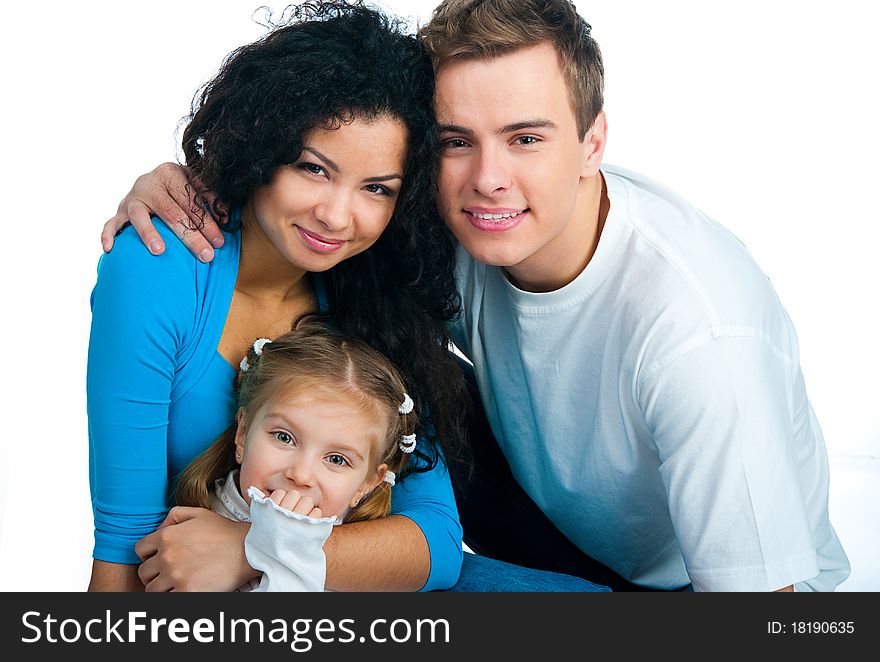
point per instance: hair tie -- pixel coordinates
(258, 350)
(407, 405)
(259, 344)
(408, 443)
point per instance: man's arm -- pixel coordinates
(166, 193)
(722, 417)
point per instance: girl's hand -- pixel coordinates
(295, 502)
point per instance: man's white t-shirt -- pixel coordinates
(654, 408)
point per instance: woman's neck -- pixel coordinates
(263, 272)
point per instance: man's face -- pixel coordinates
(512, 166)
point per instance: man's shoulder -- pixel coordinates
(686, 261)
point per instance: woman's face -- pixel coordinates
(336, 199)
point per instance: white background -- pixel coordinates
(763, 114)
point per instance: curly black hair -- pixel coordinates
(327, 64)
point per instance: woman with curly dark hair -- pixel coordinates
(319, 138)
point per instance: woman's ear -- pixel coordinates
(240, 435)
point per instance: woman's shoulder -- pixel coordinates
(133, 277)
(130, 253)
(130, 258)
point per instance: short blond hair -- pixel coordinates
(485, 29)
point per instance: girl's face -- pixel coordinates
(337, 198)
(314, 443)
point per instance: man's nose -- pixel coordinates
(492, 173)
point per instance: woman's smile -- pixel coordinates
(319, 243)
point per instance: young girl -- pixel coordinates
(323, 428)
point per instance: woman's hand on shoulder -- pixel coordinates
(165, 193)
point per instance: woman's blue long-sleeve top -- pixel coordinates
(159, 393)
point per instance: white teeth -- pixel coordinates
(495, 217)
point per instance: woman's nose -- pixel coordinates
(335, 211)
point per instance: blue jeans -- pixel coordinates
(482, 574)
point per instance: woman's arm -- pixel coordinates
(418, 547)
(131, 366)
(389, 554)
(114, 577)
(198, 550)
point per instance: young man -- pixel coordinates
(637, 369)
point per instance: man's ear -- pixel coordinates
(594, 146)
(240, 435)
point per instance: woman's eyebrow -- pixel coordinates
(335, 168)
(329, 162)
(383, 178)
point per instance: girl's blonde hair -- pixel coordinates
(308, 357)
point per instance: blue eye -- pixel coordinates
(526, 140)
(284, 437)
(337, 460)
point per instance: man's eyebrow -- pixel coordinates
(528, 124)
(510, 128)
(454, 128)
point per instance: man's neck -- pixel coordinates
(564, 258)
